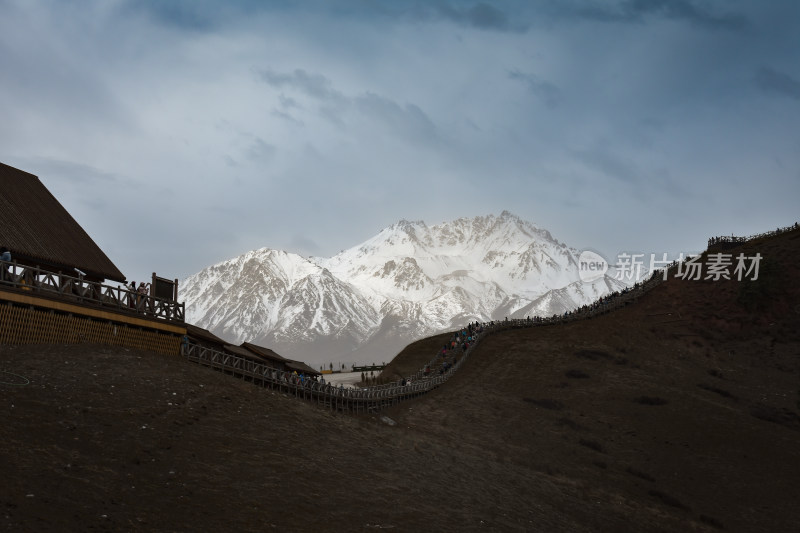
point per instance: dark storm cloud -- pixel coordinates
(548, 92)
(206, 15)
(288, 103)
(639, 10)
(684, 10)
(478, 15)
(775, 82)
(408, 121)
(314, 85)
(184, 14)
(482, 16)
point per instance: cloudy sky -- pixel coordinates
(183, 133)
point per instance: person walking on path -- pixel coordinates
(5, 255)
(141, 295)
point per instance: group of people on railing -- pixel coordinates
(460, 341)
(137, 295)
(446, 359)
(307, 381)
(293, 379)
(302, 380)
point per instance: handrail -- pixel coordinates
(355, 400)
(79, 290)
(725, 239)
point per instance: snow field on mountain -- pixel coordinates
(409, 279)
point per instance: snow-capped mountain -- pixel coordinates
(409, 281)
(269, 294)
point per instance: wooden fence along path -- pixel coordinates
(375, 398)
(354, 400)
(734, 240)
(78, 290)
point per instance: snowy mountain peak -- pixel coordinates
(407, 225)
(408, 281)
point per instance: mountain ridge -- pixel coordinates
(408, 281)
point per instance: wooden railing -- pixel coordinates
(354, 400)
(734, 240)
(78, 290)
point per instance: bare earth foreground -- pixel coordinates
(677, 413)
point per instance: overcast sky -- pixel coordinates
(183, 133)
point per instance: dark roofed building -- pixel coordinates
(243, 352)
(248, 350)
(204, 337)
(40, 232)
(251, 355)
(300, 367)
(273, 359)
(277, 361)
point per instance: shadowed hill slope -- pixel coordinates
(414, 357)
(683, 407)
(677, 413)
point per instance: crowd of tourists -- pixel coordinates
(447, 358)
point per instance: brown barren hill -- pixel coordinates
(678, 412)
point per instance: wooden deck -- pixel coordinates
(57, 287)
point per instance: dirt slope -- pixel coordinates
(677, 413)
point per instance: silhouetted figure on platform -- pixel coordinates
(5, 255)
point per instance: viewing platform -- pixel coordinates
(57, 287)
(53, 280)
(40, 306)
